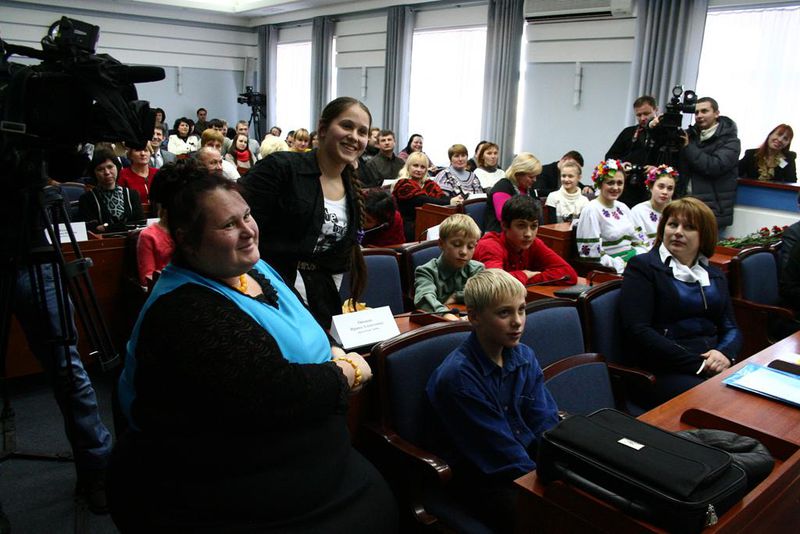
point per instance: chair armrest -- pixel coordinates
(636, 377)
(749, 305)
(429, 463)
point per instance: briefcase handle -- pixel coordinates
(624, 504)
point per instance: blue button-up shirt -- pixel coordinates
(490, 414)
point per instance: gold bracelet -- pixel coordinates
(357, 371)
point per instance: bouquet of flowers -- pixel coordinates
(763, 237)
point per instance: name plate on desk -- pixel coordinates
(78, 228)
(365, 327)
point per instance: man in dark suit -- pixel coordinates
(160, 156)
(633, 145)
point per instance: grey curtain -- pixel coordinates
(669, 38)
(321, 51)
(505, 25)
(397, 82)
(268, 61)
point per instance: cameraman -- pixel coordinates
(708, 161)
(634, 145)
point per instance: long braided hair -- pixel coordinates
(358, 269)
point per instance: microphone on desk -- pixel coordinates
(548, 282)
(454, 311)
(376, 228)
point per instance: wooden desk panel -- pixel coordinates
(771, 506)
(429, 215)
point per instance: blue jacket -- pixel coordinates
(668, 323)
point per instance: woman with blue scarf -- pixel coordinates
(234, 397)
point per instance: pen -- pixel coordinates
(702, 366)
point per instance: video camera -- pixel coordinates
(668, 133)
(251, 98)
(74, 95)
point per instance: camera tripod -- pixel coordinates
(52, 281)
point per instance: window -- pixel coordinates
(293, 87)
(750, 65)
(446, 97)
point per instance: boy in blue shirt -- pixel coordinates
(491, 402)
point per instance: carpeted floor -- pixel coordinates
(38, 496)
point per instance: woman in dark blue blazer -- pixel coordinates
(676, 310)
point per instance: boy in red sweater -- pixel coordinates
(517, 250)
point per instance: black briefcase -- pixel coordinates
(649, 473)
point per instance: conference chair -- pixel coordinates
(406, 426)
(580, 384)
(756, 300)
(602, 330)
(553, 330)
(412, 257)
(72, 191)
(384, 286)
(476, 209)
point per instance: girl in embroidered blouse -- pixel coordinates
(239, 154)
(606, 232)
(566, 204)
(414, 189)
(661, 182)
(772, 161)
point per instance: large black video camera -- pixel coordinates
(668, 133)
(252, 99)
(73, 96)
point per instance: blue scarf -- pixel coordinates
(299, 337)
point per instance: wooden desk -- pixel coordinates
(429, 215)
(772, 506)
(547, 292)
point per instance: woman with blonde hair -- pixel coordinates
(302, 140)
(270, 144)
(414, 189)
(519, 178)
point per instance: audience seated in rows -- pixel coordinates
(605, 232)
(439, 283)
(490, 402)
(155, 247)
(519, 178)
(210, 154)
(676, 308)
(243, 128)
(516, 248)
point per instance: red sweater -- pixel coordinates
(391, 235)
(131, 180)
(493, 252)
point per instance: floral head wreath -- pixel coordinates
(604, 169)
(657, 172)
